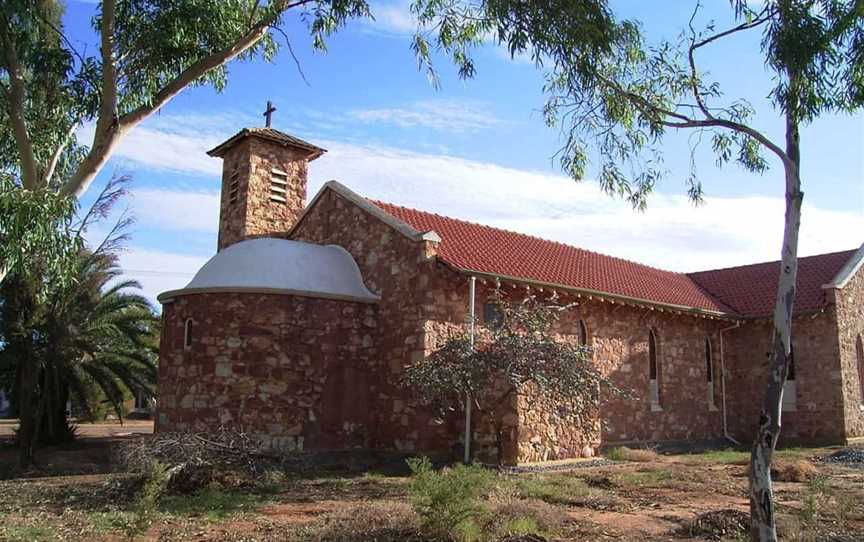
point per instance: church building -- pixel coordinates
(299, 328)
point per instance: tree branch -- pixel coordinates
(108, 98)
(58, 152)
(684, 121)
(29, 175)
(694, 85)
(763, 16)
(98, 155)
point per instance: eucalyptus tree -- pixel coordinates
(150, 51)
(620, 105)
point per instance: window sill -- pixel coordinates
(656, 408)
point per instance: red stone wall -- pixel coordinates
(402, 272)
(850, 325)
(619, 336)
(254, 214)
(818, 412)
(289, 369)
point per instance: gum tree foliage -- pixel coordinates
(519, 352)
(621, 107)
(151, 50)
(33, 223)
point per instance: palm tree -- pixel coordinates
(99, 334)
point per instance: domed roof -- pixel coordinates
(280, 266)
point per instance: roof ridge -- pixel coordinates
(731, 267)
(528, 235)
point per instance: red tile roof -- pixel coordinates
(484, 249)
(750, 289)
(746, 290)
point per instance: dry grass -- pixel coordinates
(379, 521)
(622, 453)
(791, 470)
(784, 470)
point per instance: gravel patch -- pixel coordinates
(557, 467)
(847, 456)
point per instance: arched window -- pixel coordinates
(709, 374)
(859, 355)
(583, 333)
(653, 371)
(187, 334)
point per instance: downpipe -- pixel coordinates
(472, 284)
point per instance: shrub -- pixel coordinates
(622, 453)
(449, 502)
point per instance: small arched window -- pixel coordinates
(583, 333)
(653, 371)
(187, 334)
(859, 355)
(709, 374)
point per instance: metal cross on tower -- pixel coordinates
(268, 113)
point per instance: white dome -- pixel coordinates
(267, 265)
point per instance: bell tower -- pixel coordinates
(264, 175)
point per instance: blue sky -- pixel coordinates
(476, 149)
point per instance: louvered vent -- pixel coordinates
(234, 187)
(278, 186)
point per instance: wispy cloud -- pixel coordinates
(393, 17)
(177, 210)
(176, 142)
(447, 115)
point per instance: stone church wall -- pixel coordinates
(289, 369)
(619, 336)
(404, 274)
(817, 415)
(850, 324)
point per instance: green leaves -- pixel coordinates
(619, 108)
(36, 234)
(527, 349)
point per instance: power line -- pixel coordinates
(157, 273)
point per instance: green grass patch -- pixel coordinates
(646, 478)
(553, 489)
(213, 504)
(115, 520)
(520, 526)
(732, 456)
(27, 533)
(727, 456)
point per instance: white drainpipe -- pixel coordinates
(726, 434)
(472, 282)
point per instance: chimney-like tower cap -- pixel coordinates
(269, 134)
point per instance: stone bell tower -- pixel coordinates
(264, 174)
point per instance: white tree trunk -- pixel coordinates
(762, 518)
